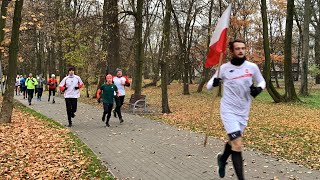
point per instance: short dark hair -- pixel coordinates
(71, 69)
(231, 43)
(118, 69)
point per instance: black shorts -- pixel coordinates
(234, 135)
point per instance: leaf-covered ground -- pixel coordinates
(35, 149)
(291, 131)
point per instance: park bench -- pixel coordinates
(138, 101)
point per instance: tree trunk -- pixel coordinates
(305, 52)
(185, 74)
(52, 58)
(290, 93)
(62, 73)
(38, 52)
(316, 25)
(296, 78)
(272, 51)
(155, 66)
(276, 74)
(102, 76)
(205, 72)
(4, 7)
(266, 45)
(7, 104)
(111, 35)
(317, 51)
(138, 49)
(165, 58)
(191, 74)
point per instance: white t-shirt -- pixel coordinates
(237, 80)
(70, 82)
(119, 82)
(17, 82)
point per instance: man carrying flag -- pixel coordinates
(238, 77)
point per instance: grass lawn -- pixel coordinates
(36, 147)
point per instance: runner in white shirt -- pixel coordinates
(17, 84)
(70, 86)
(120, 81)
(238, 77)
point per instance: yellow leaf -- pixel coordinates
(22, 28)
(6, 30)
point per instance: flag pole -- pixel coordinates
(215, 95)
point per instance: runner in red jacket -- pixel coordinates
(52, 83)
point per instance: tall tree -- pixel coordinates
(110, 36)
(298, 22)
(266, 45)
(305, 53)
(138, 48)
(165, 58)
(7, 104)
(290, 93)
(3, 15)
(316, 25)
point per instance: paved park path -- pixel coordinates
(145, 149)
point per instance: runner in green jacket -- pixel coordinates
(31, 83)
(108, 89)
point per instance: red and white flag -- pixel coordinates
(218, 42)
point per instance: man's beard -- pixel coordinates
(238, 61)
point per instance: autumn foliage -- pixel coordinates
(34, 149)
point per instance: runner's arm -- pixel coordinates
(62, 85)
(258, 78)
(127, 82)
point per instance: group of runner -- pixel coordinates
(30, 86)
(113, 90)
